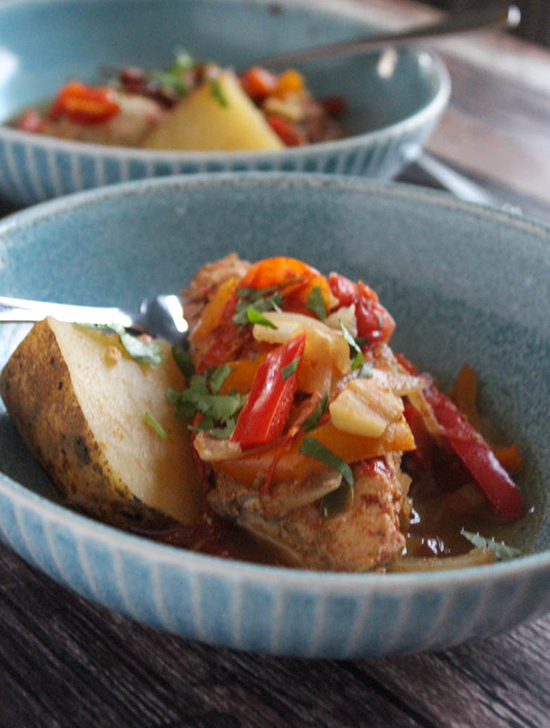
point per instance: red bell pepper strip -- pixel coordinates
(85, 104)
(287, 132)
(258, 83)
(498, 487)
(267, 407)
(469, 446)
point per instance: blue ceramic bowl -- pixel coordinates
(43, 44)
(463, 282)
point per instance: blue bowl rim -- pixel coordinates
(313, 581)
(430, 111)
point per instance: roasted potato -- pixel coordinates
(217, 116)
(88, 411)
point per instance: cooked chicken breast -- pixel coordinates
(296, 515)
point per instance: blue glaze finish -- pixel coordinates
(444, 268)
(387, 120)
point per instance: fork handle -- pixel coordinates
(18, 310)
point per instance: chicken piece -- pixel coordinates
(137, 116)
(360, 538)
(363, 536)
(206, 281)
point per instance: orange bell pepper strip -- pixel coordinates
(294, 465)
(289, 82)
(214, 309)
(242, 375)
(301, 277)
(85, 104)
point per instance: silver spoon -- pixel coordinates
(159, 316)
(495, 16)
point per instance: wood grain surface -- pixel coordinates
(66, 663)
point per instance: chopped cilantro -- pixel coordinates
(202, 396)
(316, 303)
(315, 449)
(155, 425)
(217, 93)
(184, 61)
(365, 372)
(183, 361)
(314, 418)
(257, 299)
(358, 359)
(217, 377)
(337, 501)
(169, 80)
(501, 550)
(289, 370)
(144, 352)
(255, 317)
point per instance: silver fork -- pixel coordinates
(160, 316)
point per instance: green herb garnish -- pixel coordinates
(171, 81)
(144, 352)
(316, 303)
(218, 410)
(256, 317)
(315, 449)
(217, 377)
(358, 359)
(289, 370)
(184, 61)
(260, 299)
(501, 550)
(336, 502)
(315, 417)
(155, 425)
(217, 93)
(183, 361)
(365, 372)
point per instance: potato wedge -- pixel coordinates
(79, 401)
(200, 122)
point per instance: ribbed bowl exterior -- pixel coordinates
(245, 607)
(34, 169)
(443, 267)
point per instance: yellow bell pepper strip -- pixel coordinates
(294, 465)
(266, 409)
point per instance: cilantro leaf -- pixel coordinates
(314, 418)
(144, 352)
(315, 449)
(183, 361)
(256, 317)
(289, 370)
(336, 502)
(501, 550)
(365, 372)
(217, 377)
(155, 425)
(217, 93)
(184, 61)
(316, 303)
(358, 359)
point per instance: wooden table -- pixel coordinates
(65, 662)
